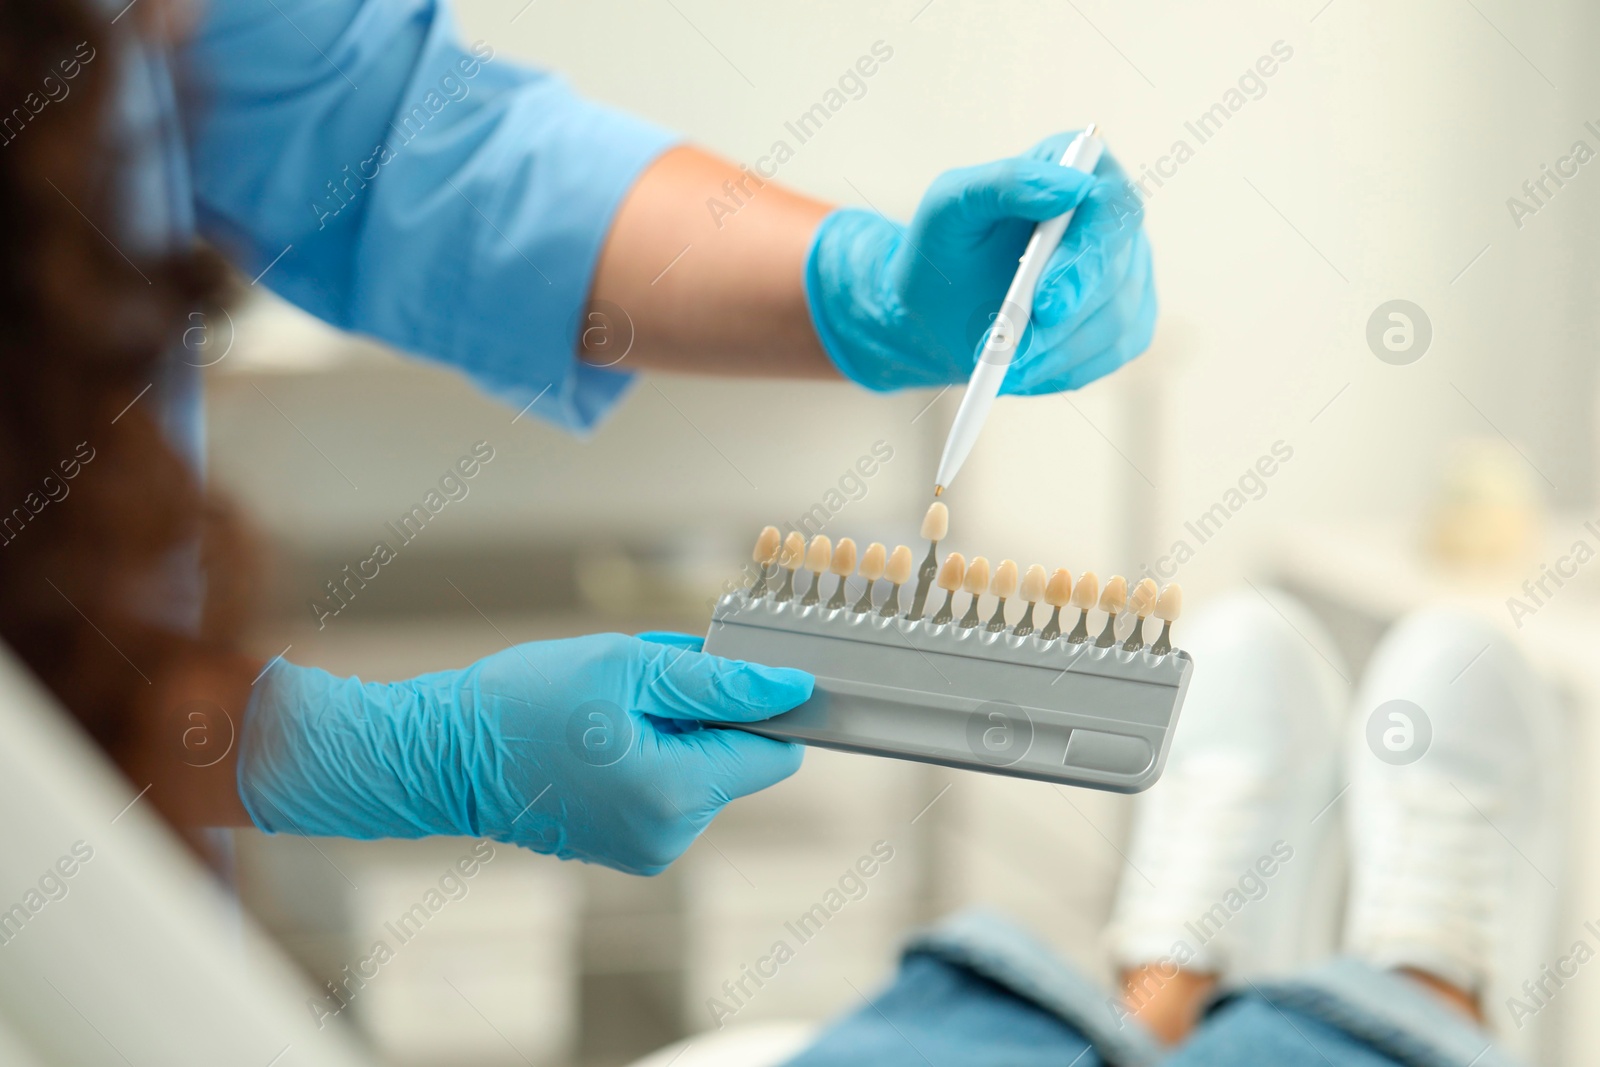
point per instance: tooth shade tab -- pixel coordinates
(1033, 583)
(1142, 601)
(977, 580)
(819, 554)
(1169, 605)
(1057, 593)
(873, 561)
(794, 550)
(1058, 590)
(767, 545)
(900, 563)
(1114, 597)
(844, 558)
(952, 571)
(936, 523)
(1005, 580)
(1086, 594)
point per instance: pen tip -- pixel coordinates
(938, 490)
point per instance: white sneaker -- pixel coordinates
(1227, 867)
(1454, 813)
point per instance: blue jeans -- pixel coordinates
(976, 991)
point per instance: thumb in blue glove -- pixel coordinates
(591, 748)
(902, 307)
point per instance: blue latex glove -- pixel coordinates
(897, 308)
(590, 748)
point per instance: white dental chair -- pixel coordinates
(135, 956)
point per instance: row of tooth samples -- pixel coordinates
(781, 559)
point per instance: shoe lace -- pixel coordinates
(1201, 839)
(1432, 871)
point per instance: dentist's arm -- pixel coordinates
(441, 197)
(708, 268)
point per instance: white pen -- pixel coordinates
(1011, 323)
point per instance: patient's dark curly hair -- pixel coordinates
(96, 507)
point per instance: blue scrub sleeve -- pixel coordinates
(426, 192)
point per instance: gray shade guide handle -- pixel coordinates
(1053, 711)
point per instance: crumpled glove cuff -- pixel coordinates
(289, 783)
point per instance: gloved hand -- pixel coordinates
(589, 748)
(897, 308)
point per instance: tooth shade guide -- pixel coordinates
(1084, 596)
(935, 524)
(873, 562)
(1135, 639)
(925, 576)
(1108, 636)
(976, 582)
(768, 542)
(793, 551)
(842, 564)
(1005, 579)
(951, 573)
(790, 558)
(1141, 602)
(1113, 599)
(1057, 594)
(1033, 583)
(978, 577)
(786, 590)
(898, 572)
(919, 693)
(1003, 587)
(865, 603)
(1168, 607)
(1032, 592)
(819, 554)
